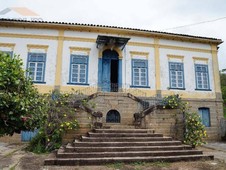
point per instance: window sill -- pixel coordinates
(39, 82)
(83, 84)
(140, 87)
(176, 88)
(203, 89)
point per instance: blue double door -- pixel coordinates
(111, 71)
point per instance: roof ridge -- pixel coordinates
(107, 26)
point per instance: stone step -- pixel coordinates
(124, 130)
(107, 160)
(91, 134)
(62, 154)
(110, 144)
(70, 148)
(124, 139)
(116, 126)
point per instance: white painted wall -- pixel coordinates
(189, 72)
(22, 50)
(93, 62)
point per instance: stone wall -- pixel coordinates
(169, 122)
(216, 114)
(125, 105)
(85, 123)
(16, 138)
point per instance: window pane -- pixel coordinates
(205, 116)
(139, 72)
(202, 76)
(79, 72)
(176, 75)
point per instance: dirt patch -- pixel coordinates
(194, 165)
(32, 161)
(15, 157)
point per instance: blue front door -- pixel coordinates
(109, 75)
(106, 74)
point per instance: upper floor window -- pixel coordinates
(202, 77)
(176, 73)
(36, 66)
(139, 73)
(10, 53)
(205, 116)
(79, 69)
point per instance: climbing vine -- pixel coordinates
(195, 132)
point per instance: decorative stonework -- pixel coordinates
(37, 46)
(109, 47)
(200, 59)
(8, 45)
(138, 53)
(83, 49)
(179, 57)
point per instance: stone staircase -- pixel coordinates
(104, 146)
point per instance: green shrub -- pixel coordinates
(171, 102)
(58, 118)
(195, 132)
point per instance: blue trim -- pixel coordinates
(201, 111)
(120, 73)
(182, 69)
(203, 89)
(87, 65)
(44, 69)
(39, 82)
(100, 73)
(140, 86)
(196, 81)
(87, 70)
(177, 88)
(84, 84)
(146, 66)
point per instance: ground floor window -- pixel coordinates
(205, 116)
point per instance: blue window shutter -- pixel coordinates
(36, 66)
(139, 72)
(202, 76)
(205, 116)
(78, 69)
(176, 75)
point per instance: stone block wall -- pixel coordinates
(85, 122)
(169, 122)
(216, 114)
(16, 138)
(125, 105)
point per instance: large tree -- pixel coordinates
(19, 99)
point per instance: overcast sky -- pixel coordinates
(157, 15)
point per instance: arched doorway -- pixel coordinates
(113, 116)
(110, 71)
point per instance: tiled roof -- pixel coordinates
(113, 27)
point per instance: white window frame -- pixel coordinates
(36, 62)
(204, 76)
(177, 79)
(79, 64)
(140, 76)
